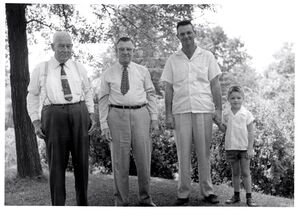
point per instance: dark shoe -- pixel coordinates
(151, 204)
(251, 203)
(212, 199)
(233, 199)
(181, 201)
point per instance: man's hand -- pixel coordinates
(218, 115)
(38, 129)
(106, 134)
(154, 127)
(170, 122)
(93, 124)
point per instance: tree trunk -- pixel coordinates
(28, 159)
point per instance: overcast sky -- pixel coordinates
(264, 27)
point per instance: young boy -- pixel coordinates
(238, 125)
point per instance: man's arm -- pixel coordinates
(33, 101)
(88, 93)
(103, 107)
(170, 124)
(151, 106)
(217, 96)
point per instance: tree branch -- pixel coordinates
(40, 22)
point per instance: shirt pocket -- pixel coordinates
(180, 72)
(202, 73)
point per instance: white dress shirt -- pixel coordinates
(191, 81)
(141, 90)
(236, 137)
(48, 91)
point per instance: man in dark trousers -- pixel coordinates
(60, 87)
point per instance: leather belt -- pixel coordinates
(67, 104)
(128, 106)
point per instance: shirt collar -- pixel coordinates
(241, 111)
(198, 51)
(57, 64)
(121, 66)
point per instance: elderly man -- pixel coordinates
(127, 112)
(192, 98)
(61, 88)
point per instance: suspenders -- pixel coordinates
(45, 79)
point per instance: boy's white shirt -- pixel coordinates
(236, 137)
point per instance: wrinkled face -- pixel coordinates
(125, 52)
(62, 47)
(186, 35)
(236, 100)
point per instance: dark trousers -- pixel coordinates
(66, 130)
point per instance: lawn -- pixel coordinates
(36, 192)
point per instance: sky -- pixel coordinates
(263, 27)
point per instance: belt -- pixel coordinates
(67, 104)
(128, 106)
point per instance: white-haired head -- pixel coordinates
(61, 35)
(62, 46)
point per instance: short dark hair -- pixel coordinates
(124, 39)
(235, 88)
(184, 23)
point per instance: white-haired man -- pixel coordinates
(61, 108)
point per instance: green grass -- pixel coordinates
(36, 192)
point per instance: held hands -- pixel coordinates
(38, 129)
(217, 119)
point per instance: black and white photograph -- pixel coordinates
(149, 104)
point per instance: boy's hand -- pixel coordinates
(250, 153)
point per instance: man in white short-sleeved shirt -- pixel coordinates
(193, 96)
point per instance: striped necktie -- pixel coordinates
(125, 80)
(65, 84)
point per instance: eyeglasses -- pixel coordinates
(121, 49)
(63, 46)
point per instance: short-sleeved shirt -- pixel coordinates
(191, 81)
(236, 137)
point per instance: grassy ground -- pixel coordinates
(36, 192)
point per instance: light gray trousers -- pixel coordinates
(197, 128)
(130, 130)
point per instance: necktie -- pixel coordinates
(124, 81)
(65, 84)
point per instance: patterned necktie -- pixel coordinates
(65, 84)
(124, 81)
